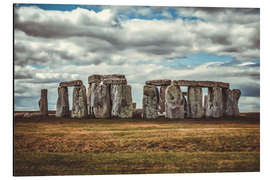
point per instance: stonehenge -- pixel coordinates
(110, 96)
(220, 100)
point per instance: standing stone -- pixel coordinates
(214, 106)
(236, 96)
(150, 101)
(162, 99)
(185, 106)
(174, 103)
(101, 101)
(91, 96)
(121, 101)
(205, 104)
(62, 106)
(79, 102)
(230, 102)
(195, 108)
(43, 102)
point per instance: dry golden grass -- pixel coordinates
(128, 138)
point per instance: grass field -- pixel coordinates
(55, 146)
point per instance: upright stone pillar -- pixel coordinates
(195, 108)
(214, 103)
(93, 81)
(236, 96)
(150, 101)
(62, 105)
(121, 101)
(162, 99)
(79, 102)
(101, 101)
(43, 102)
(230, 102)
(174, 103)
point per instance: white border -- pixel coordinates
(7, 79)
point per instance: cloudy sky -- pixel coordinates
(54, 43)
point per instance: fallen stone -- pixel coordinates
(101, 101)
(27, 115)
(160, 82)
(150, 101)
(121, 101)
(214, 105)
(71, 83)
(174, 103)
(79, 102)
(62, 105)
(195, 108)
(18, 115)
(43, 102)
(114, 81)
(201, 83)
(162, 99)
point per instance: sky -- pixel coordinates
(54, 43)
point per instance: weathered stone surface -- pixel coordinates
(90, 98)
(195, 108)
(62, 105)
(115, 81)
(101, 101)
(201, 83)
(214, 104)
(205, 104)
(137, 113)
(185, 106)
(160, 82)
(121, 100)
(71, 83)
(114, 76)
(150, 101)
(230, 102)
(43, 102)
(95, 78)
(174, 102)
(79, 102)
(162, 99)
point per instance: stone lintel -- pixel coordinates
(115, 81)
(201, 83)
(71, 83)
(95, 78)
(160, 82)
